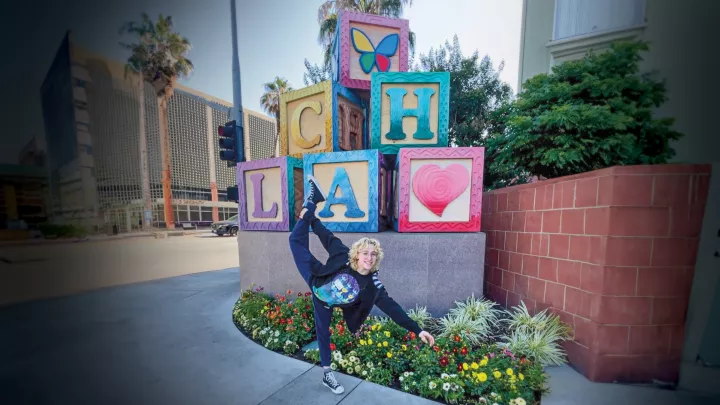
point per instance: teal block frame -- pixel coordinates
(378, 79)
(375, 160)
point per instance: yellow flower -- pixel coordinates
(387, 333)
(362, 342)
(482, 377)
(373, 327)
(509, 371)
(521, 376)
(379, 326)
(379, 345)
(389, 355)
(404, 347)
(483, 362)
(465, 366)
(474, 366)
(369, 341)
(385, 344)
(497, 374)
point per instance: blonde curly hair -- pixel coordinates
(361, 244)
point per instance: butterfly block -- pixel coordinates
(324, 117)
(438, 189)
(409, 109)
(367, 43)
(353, 187)
(270, 193)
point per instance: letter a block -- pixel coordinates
(409, 110)
(351, 181)
(367, 43)
(325, 117)
(438, 189)
(271, 193)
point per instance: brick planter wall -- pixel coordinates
(612, 252)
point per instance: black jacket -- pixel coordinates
(373, 294)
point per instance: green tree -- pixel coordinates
(315, 74)
(159, 57)
(270, 100)
(475, 91)
(585, 115)
(328, 14)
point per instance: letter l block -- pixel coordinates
(270, 192)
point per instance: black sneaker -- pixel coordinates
(316, 195)
(330, 382)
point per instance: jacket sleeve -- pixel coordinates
(395, 311)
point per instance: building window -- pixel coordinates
(581, 17)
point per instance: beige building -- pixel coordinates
(104, 171)
(682, 37)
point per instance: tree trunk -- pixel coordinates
(165, 150)
(144, 171)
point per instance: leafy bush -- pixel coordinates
(62, 231)
(460, 368)
(420, 315)
(537, 337)
(474, 320)
(586, 115)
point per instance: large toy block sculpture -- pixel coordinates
(409, 110)
(352, 182)
(367, 43)
(325, 117)
(271, 193)
(438, 189)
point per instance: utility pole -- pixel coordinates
(237, 113)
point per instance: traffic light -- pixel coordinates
(232, 194)
(232, 148)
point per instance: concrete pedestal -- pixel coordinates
(432, 270)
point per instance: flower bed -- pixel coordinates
(482, 354)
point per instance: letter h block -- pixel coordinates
(409, 110)
(324, 117)
(271, 193)
(438, 189)
(353, 183)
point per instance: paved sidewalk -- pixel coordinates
(173, 341)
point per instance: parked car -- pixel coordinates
(226, 227)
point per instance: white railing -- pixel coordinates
(581, 17)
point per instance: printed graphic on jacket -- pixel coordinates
(343, 289)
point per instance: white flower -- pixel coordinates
(432, 385)
(337, 356)
(455, 387)
(364, 372)
(446, 386)
(349, 371)
(493, 395)
(406, 374)
(401, 378)
(370, 365)
(275, 340)
(333, 366)
(277, 333)
(444, 376)
(519, 401)
(357, 369)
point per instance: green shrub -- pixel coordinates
(586, 115)
(537, 337)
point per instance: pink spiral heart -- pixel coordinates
(436, 188)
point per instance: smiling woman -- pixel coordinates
(349, 281)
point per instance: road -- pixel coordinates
(60, 269)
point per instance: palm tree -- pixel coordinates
(270, 100)
(328, 13)
(158, 57)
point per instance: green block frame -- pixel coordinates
(378, 79)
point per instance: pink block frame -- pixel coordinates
(405, 155)
(345, 18)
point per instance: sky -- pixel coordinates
(275, 36)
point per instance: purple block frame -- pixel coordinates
(245, 225)
(344, 20)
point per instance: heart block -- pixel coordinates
(438, 189)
